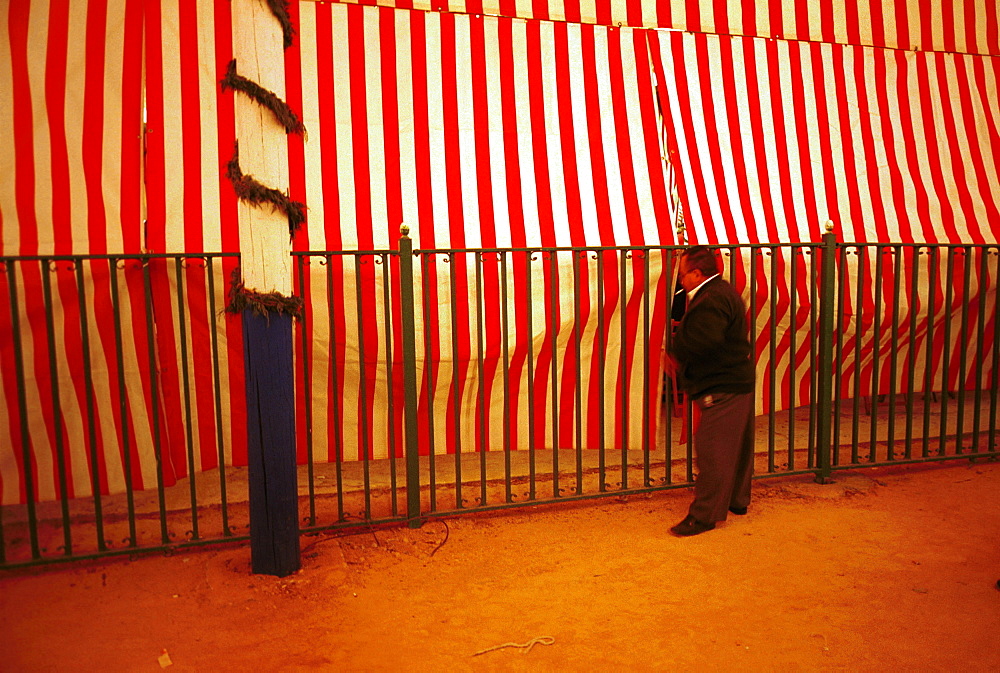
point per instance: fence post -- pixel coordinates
(409, 377)
(824, 393)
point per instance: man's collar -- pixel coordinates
(692, 293)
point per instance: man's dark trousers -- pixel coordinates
(724, 449)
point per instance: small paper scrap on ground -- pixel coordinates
(164, 659)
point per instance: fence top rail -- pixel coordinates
(952, 246)
(986, 247)
(811, 245)
(4, 259)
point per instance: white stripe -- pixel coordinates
(467, 148)
(345, 144)
(407, 138)
(436, 143)
(376, 127)
(113, 147)
(75, 86)
(36, 66)
(313, 145)
(609, 134)
(173, 131)
(208, 94)
(496, 124)
(581, 125)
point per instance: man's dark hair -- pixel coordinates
(702, 258)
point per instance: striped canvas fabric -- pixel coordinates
(477, 132)
(517, 125)
(771, 139)
(968, 26)
(71, 183)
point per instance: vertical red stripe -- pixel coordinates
(539, 137)
(802, 133)
(870, 161)
(55, 111)
(947, 22)
(394, 201)
(651, 132)
(949, 100)
(425, 212)
(456, 224)
(93, 139)
(946, 226)
(23, 118)
(491, 278)
(155, 156)
(191, 149)
(992, 30)
(133, 159)
(735, 100)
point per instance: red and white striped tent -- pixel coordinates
(498, 124)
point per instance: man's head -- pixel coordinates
(698, 263)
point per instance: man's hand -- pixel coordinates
(670, 366)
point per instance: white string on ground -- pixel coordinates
(541, 640)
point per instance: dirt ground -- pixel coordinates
(886, 569)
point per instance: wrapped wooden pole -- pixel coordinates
(259, 174)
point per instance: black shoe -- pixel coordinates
(738, 510)
(691, 526)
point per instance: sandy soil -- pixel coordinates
(887, 569)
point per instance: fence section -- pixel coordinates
(433, 382)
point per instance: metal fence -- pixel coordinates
(434, 382)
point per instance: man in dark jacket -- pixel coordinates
(710, 358)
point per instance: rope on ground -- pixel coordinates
(446, 534)
(541, 640)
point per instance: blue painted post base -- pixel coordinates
(270, 391)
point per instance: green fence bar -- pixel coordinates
(980, 336)
(911, 353)
(839, 357)
(505, 356)
(528, 258)
(22, 408)
(220, 443)
(623, 369)
(949, 292)
(897, 270)
(427, 300)
(647, 419)
(578, 352)
(794, 253)
(824, 388)
(46, 268)
(995, 364)
(601, 362)
(305, 328)
(154, 388)
(409, 329)
(122, 400)
(88, 382)
(553, 329)
(481, 370)
(876, 347)
(334, 391)
(359, 260)
(932, 276)
(456, 383)
(390, 396)
(179, 264)
(963, 351)
(859, 303)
